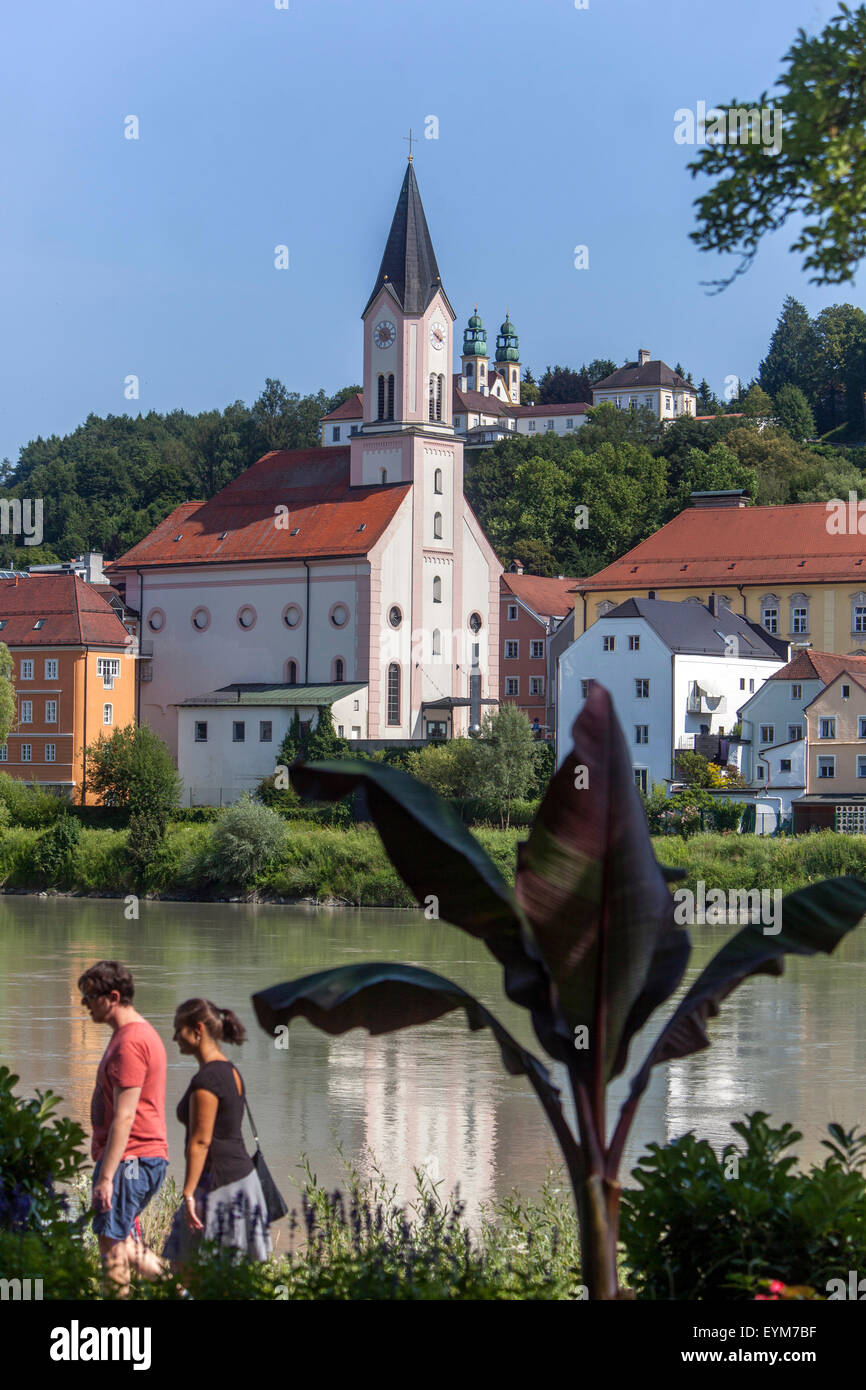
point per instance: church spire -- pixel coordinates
(409, 266)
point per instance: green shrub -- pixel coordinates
(28, 805)
(55, 849)
(702, 1225)
(247, 838)
(38, 1150)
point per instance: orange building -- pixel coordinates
(73, 681)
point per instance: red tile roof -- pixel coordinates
(549, 598)
(75, 613)
(822, 666)
(738, 545)
(239, 523)
(574, 408)
(351, 409)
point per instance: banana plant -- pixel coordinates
(586, 938)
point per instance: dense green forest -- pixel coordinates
(110, 481)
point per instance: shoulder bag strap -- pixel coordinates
(250, 1115)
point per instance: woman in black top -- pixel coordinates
(222, 1195)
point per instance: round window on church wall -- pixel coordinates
(201, 619)
(156, 620)
(339, 615)
(292, 615)
(475, 622)
(395, 617)
(247, 616)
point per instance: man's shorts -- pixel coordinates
(135, 1182)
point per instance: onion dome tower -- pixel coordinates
(508, 359)
(474, 361)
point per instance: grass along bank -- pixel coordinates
(321, 863)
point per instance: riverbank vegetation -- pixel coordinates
(325, 864)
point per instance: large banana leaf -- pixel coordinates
(594, 894)
(384, 997)
(813, 919)
(436, 855)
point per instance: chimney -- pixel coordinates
(728, 497)
(716, 604)
(643, 356)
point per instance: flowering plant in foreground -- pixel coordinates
(587, 941)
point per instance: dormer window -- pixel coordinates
(40, 622)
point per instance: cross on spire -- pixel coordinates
(410, 137)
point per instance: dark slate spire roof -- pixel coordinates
(409, 264)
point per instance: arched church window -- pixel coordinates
(437, 526)
(437, 642)
(339, 669)
(470, 370)
(437, 589)
(291, 673)
(394, 693)
(437, 480)
(431, 404)
(390, 395)
(381, 395)
(440, 395)
(383, 476)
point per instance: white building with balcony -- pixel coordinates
(674, 671)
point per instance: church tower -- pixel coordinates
(408, 330)
(508, 359)
(474, 361)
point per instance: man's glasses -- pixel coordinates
(94, 994)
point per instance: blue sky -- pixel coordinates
(261, 126)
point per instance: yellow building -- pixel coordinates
(836, 737)
(796, 570)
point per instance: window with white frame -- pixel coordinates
(827, 727)
(861, 733)
(634, 642)
(4, 753)
(26, 669)
(51, 668)
(512, 649)
(26, 753)
(641, 733)
(861, 765)
(641, 689)
(858, 613)
(641, 779)
(108, 667)
(826, 766)
(759, 773)
(796, 691)
(584, 688)
(768, 733)
(531, 426)
(512, 685)
(512, 612)
(608, 644)
(50, 752)
(26, 711)
(536, 685)
(108, 714)
(536, 650)
(201, 731)
(799, 604)
(795, 733)
(50, 711)
(239, 731)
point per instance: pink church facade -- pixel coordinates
(318, 570)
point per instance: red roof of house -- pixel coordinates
(240, 522)
(738, 545)
(74, 613)
(822, 666)
(574, 408)
(351, 409)
(549, 598)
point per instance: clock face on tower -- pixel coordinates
(384, 334)
(437, 335)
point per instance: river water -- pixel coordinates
(436, 1095)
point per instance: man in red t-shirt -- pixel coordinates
(130, 1145)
